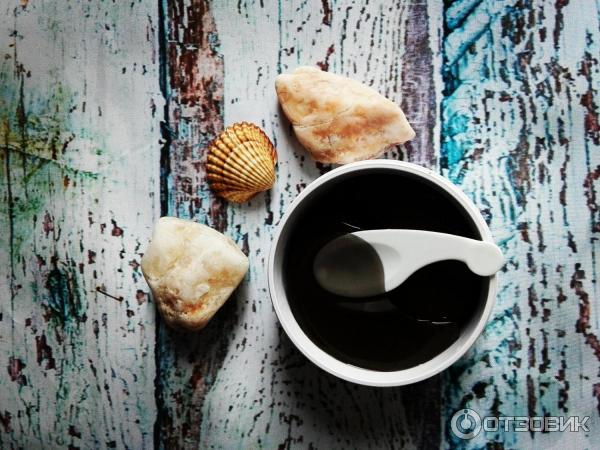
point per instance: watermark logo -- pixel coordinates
(466, 424)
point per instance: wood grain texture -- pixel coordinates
(241, 383)
(105, 109)
(193, 86)
(79, 169)
(520, 135)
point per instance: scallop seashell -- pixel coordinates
(241, 162)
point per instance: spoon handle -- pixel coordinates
(409, 250)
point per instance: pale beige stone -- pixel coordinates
(192, 270)
(337, 119)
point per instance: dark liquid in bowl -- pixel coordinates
(402, 328)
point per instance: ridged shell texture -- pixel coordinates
(241, 162)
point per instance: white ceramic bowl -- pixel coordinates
(327, 362)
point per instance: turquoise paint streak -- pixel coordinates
(454, 145)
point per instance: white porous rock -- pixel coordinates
(192, 270)
(337, 119)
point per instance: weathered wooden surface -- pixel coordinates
(79, 192)
(504, 98)
(206, 397)
(520, 135)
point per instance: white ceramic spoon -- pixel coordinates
(368, 263)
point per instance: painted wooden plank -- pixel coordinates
(79, 176)
(520, 134)
(192, 82)
(240, 383)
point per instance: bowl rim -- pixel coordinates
(350, 372)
